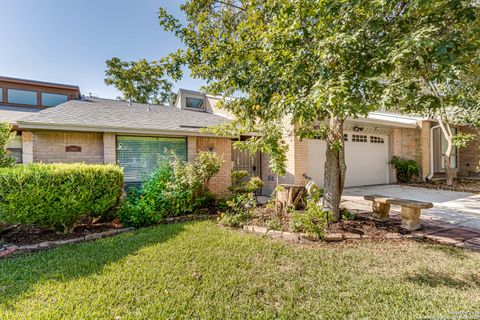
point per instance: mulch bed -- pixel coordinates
(360, 225)
(461, 185)
(25, 235)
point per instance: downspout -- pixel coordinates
(432, 169)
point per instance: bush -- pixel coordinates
(312, 221)
(239, 208)
(174, 188)
(406, 169)
(58, 195)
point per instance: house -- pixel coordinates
(95, 130)
(20, 97)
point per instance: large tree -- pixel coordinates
(308, 63)
(434, 51)
(142, 81)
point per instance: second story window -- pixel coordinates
(24, 97)
(194, 103)
(53, 99)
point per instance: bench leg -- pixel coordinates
(380, 211)
(410, 218)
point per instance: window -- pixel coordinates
(53, 99)
(138, 156)
(359, 138)
(22, 97)
(14, 148)
(345, 137)
(194, 103)
(374, 139)
(1, 94)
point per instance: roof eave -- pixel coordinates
(121, 130)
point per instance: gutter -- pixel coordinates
(119, 130)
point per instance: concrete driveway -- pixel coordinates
(461, 209)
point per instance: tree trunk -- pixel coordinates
(448, 169)
(335, 168)
(447, 134)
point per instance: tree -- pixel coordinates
(142, 81)
(434, 54)
(308, 63)
(6, 135)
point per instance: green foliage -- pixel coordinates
(5, 136)
(240, 206)
(461, 139)
(174, 188)
(274, 223)
(57, 195)
(406, 169)
(313, 221)
(142, 81)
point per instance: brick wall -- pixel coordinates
(469, 157)
(407, 144)
(220, 183)
(49, 147)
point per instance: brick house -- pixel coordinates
(94, 130)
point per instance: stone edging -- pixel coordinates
(337, 237)
(13, 249)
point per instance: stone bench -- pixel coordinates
(411, 209)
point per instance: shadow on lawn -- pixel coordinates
(19, 274)
(438, 279)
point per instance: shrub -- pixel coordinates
(58, 195)
(239, 208)
(406, 169)
(5, 136)
(313, 221)
(174, 188)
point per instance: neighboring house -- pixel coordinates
(94, 130)
(20, 97)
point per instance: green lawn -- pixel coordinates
(199, 270)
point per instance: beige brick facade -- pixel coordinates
(222, 180)
(50, 146)
(109, 148)
(469, 157)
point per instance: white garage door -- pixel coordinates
(366, 156)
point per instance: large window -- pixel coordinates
(194, 103)
(14, 148)
(139, 155)
(53, 99)
(22, 97)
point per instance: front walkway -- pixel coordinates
(455, 217)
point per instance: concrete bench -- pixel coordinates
(411, 209)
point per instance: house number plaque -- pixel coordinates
(73, 149)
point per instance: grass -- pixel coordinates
(199, 270)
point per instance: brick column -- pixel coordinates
(191, 148)
(27, 147)
(109, 148)
(425, 148)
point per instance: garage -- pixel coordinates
(366, 156)
(138, 156)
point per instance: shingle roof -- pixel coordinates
(13, 114)
(117, 115)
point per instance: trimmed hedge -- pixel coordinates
(58, 195)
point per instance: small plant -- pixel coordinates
(274, 223)
(406, 169)
(347, 215)
(312, 221)
(240, 206)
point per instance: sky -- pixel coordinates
(68, 41)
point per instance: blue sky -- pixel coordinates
(68, 41)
